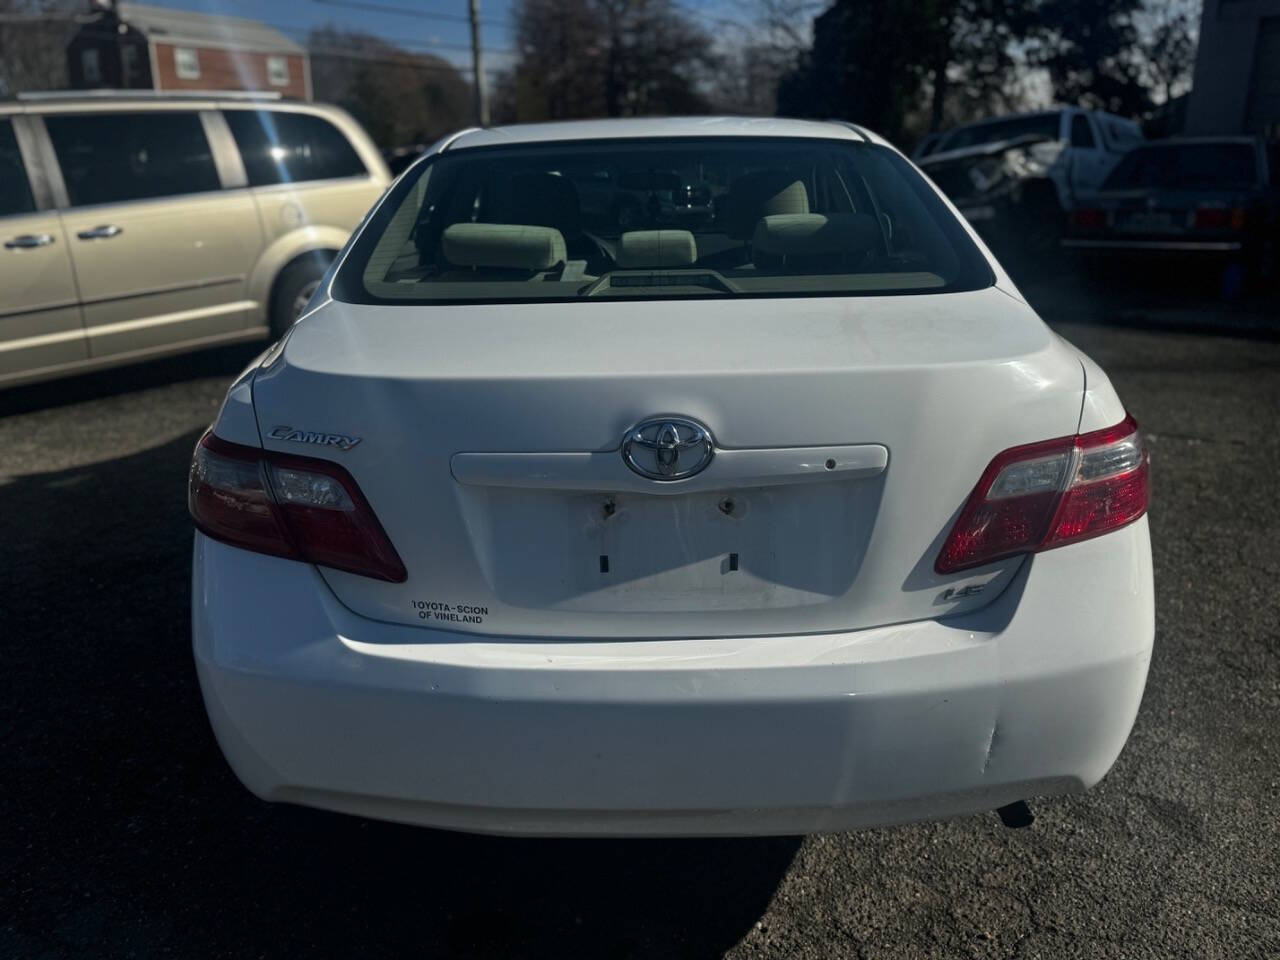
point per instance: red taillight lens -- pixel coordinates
(296, 507)
(1219, 218)
(1051, 493)
(1088, 219)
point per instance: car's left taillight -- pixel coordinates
(301, 508)
(1051, 493)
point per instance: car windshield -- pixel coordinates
(660, 219)
(1186, 166)
(1036, 124)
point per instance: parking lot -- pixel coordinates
(127, 835)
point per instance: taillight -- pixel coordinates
(1088, 219)
(296, 507)
(1051, 493)
(1219, 218)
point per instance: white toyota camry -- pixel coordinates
(698, 476)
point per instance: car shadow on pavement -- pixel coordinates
(219, 362)
(126, 833)
(1155, 296)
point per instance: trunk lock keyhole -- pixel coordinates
(727, 506)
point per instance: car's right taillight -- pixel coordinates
(1051, 493)
(301, 508)
(1087, 219)
(1218, 218)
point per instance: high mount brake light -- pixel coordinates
(301, 508)
(1051, 493)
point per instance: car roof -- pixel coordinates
(986, 121)
(658, 127)
(126, 101)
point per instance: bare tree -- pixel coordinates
(753, 56)
(1171, 32)
(588, 58)
(400, 97)
(33, 44)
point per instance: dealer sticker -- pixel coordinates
(449, 612)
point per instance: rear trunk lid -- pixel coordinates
(849, 431)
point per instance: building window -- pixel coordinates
(278, 71)
(91, 65)
(130, 66)
(187, 63)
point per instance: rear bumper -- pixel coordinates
(1034, 694)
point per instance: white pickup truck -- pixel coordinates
(1020, 174)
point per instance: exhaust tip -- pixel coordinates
(1016, 815)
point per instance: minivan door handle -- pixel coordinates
(28, 240)
(104, 232)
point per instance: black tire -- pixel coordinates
(294, 286)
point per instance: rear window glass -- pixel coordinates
(1182, 166)
(1036, 125)
(281, 147)
(660, 219)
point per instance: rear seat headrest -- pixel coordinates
(813, 235)
(759, 194)
(507, 246)
(657, 248)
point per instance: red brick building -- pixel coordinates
(134, 46)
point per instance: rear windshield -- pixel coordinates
(659, 219)
(1187, 166)
(1037, 125)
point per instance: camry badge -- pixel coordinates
(668, 448)
(341, 441)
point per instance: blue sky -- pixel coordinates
(431, 26)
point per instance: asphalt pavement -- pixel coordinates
(126, 835)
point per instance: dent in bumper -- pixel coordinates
(1034, 694)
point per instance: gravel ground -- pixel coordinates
(127, 836)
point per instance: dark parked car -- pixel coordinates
(1206, 197)
(1014, 177)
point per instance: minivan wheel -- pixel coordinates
(293, 291)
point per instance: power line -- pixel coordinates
(408, 60)
(404, 11)
(391, 41)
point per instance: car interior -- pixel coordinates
(783, 220)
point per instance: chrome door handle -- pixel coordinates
(28, 240)
(104, 232)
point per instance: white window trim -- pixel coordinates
(192, 70)
(280, 63)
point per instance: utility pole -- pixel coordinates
(477, 65)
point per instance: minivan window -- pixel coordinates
(15, 189)
(718, 217)
(282, 147)
(115, 157)
(1186, 166)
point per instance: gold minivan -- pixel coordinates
(137, 226)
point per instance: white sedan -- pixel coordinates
(799, 519)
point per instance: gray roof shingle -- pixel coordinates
(206, 30)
